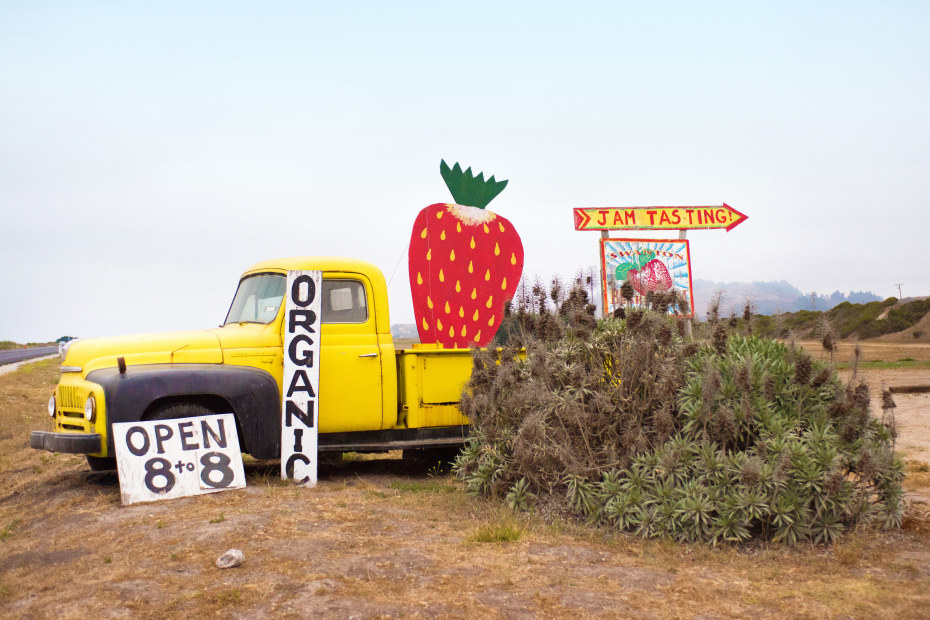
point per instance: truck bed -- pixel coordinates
(430, 381)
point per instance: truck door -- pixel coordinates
(350, 359)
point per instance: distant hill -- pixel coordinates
(906, 320)
(768, 297)
(405, 331)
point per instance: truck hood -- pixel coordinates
(199, 346)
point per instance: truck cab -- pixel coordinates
(358, 377)
(371, 397)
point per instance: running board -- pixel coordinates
(393, 439)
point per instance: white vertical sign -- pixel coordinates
(299, 415)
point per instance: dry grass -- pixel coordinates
(871, 351)
(382, 538)
(918, 476)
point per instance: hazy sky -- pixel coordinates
(152, 151)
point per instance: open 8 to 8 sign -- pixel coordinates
(164, 459)
(301, 376)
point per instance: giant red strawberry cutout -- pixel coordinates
(465, 262)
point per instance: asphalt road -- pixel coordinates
(18, 355)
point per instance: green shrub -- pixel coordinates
(633, 427)
(575, 406)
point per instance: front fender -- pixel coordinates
(251, 393)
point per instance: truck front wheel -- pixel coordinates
(101, 463)
(190, 409)
(179, 410)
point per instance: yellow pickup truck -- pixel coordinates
(372, 397)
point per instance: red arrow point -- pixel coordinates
(736, 217)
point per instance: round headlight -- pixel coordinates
(90, 408)
(51, 406)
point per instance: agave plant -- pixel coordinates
(633, 427)
(520, 497)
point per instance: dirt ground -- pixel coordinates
(912, 413)
(895, 365)
(385, 538)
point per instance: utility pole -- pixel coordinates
(899, 290)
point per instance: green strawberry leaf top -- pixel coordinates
(637, 262)
(469, 190)
(644, 258)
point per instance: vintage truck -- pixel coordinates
(372, 397)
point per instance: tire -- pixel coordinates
(101, 463)
(186, 409)
(179, 410)
(443, 456)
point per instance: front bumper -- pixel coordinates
(73, 443)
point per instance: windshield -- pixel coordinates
(258, 299)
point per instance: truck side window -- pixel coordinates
(344, 301)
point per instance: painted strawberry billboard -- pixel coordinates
(650, 266)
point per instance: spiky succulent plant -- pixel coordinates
(741, 438)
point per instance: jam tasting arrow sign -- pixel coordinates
(658, 218)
